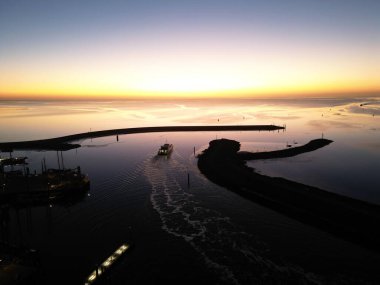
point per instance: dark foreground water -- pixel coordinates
(198, 232)
(182, 233)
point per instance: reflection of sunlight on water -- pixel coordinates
(50, 118)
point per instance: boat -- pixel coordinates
(107, 264)
(165, 149)
(52, 185)
(12, 161)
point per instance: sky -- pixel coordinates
(197, 48)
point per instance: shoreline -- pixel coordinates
(288, 152)
(353, 220)
(63, 143)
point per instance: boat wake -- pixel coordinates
(234, 255)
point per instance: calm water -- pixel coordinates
(186, 233)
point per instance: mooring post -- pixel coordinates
(188, 179)
(59, 165)
(63, 165)
(45, 164)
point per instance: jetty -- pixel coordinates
(353, 220)
(65, 142)
(288, 152)
(106, 265)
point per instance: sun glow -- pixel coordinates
(186, 79)
(190, 49)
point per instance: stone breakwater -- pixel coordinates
(64, 143)
(348, 218)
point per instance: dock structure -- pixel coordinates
(107, 264)
(65, 142)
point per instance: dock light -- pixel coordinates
(106, 264)
(92, 277)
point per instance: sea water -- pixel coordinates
(183, 230)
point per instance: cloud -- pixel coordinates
(47, 113)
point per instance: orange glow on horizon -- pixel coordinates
(259, 92)
(257, 51)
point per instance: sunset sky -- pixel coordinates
(199, 48)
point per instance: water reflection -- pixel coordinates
(135, 196)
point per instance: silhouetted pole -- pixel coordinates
(194, 151)
(59, 165)
(117, 137)
(188, 179)
(63, 165)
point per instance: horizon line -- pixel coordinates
(285, 95)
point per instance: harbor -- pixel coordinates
(182, 223)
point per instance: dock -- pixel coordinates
(104, 267)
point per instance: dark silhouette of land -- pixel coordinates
(288, 152)
(63, 143)
(348, 218)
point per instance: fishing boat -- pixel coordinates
(165, 149)
(52, 185)
(12, 161)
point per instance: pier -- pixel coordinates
(107, 264)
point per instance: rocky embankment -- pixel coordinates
(348, 218)
(64, 143)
